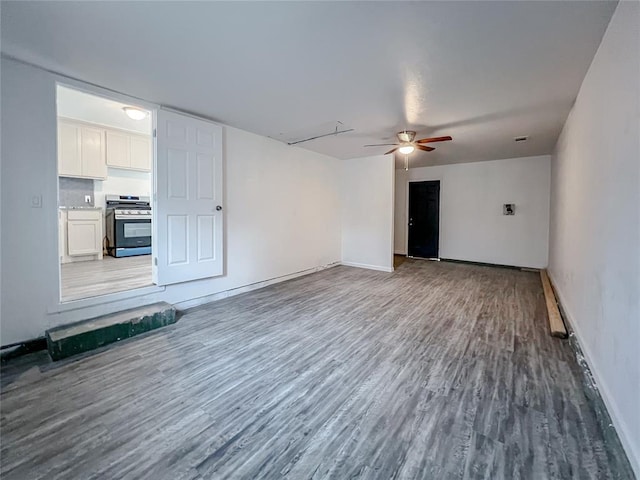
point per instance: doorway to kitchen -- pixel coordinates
(105, 182)
(424, 219)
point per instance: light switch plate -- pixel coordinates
(87, 199)
(36, 201)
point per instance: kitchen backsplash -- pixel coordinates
(73, 190)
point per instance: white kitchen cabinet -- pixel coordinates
(81, 234)
(69, 162)
(92, 152)
(84, 232)
(62, 235)
(141, 153)
(81, 150)
(118, 149)
(128, 151)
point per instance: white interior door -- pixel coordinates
(188, 209)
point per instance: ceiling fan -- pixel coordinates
(407, 144)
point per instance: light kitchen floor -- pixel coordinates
(101, 277)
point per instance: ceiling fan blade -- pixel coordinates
(380, 144)
(391, 151)
(434, 139)
(425, 148)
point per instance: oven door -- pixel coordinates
(133, 232)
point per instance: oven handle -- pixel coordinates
(131, 217)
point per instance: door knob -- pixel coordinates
(219, 207)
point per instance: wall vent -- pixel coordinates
(522, 138)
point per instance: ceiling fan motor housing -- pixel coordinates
(406, 136)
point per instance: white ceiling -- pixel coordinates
(91, 108)
(482, 72)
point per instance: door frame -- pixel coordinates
(108, 94)
(406, 213)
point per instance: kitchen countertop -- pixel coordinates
(80, 208)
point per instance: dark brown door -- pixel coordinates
(424, 219)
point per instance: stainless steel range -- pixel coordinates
(128, 225)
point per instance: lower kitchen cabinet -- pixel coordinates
(81, 235)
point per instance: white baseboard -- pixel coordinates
(632, 454)
(399, 252)
(195, 302)
(369, 267)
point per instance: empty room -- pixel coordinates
(320, 240)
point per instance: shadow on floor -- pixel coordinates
(398, 260)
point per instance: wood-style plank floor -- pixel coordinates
(398, 260)
(101, 277)
(435, 371)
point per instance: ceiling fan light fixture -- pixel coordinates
(135, 113)
(406, 149)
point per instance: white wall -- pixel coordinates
(29, 167)
(122, 182)
(472, 226)
(282, 212)
(594, 258)
(367, 212)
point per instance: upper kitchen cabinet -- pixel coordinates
(141, 153)
(69, 162)
(92, 152)
(81, 150)
(129, 151)
(118, 149)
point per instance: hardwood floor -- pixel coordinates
(435, 371)
(101, 277)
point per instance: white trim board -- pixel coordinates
(196, 302)
(368, 267)
(66, 306)
(147, 295)
(614, 414)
